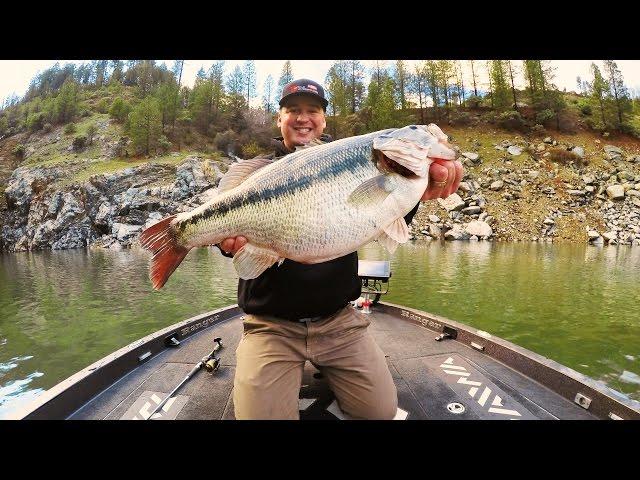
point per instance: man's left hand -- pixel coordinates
(444, 179)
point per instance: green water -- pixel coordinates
(61, 311)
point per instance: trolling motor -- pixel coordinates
(209, 362)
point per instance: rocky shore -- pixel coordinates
(518, 193)
(108, 210)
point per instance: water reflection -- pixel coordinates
(61, 311)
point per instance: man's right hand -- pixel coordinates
(233, 244)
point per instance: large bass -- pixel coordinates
(311, 206)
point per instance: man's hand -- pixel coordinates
(233, 244)
(444, 177)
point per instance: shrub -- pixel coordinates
(585, 108)
(251, 150)
(70, 128)
(511, 120)
(538, 129)
(473, 101)
(79, 143)
(544, 116)
(120, 110)
(47, 127)
(164, 144)
(565, 157)
(18, 150)
(35, 121)
(226, 141)
(103, 105)
(91, 131)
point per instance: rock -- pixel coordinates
(541, 147)
(632, 193)
(615, 192)
(452, 203)
(434, 230)
(457, 233)
(478, 228)
(579, 151)
(471, 210)
(588, 179)
(590, 188)
(434, 219)
(549, 221)
(598, 241)
(610, 236)
(471, 156)
(497, 185)
(124, 232)
(547, 140)
(513, 150)
(593, 234)
(464, 187)
(576, 193)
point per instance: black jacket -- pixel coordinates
(294, 290)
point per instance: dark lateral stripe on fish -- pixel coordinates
(328, 170)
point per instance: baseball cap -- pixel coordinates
(306, 87)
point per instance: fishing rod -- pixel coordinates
(209, 362)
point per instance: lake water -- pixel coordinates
(577, 304)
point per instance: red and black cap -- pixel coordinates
(304, 86)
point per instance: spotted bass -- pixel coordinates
(313, 205)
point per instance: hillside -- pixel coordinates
(85, 186)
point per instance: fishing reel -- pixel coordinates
(212, 364)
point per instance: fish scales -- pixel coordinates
(310, 206)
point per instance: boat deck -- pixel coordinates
(446, 379)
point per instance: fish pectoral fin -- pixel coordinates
(398, 231)
(389, 243)
(373, 191)
(238, 172)
(250, 261)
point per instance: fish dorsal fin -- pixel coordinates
(250, 261)
(312, 143)
(373, 191)
(240, 171)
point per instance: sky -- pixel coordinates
(15, 75)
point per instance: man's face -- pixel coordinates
(301, 120)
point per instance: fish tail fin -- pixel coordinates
(160, 239)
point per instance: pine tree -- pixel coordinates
(599, 90)
(286, 76)
(500, 88)
(145, 125)
(401, 79)
(267, 97)
(250, 80)
(621, 99)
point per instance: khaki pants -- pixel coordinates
(271, 358)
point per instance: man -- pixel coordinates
(297, 312)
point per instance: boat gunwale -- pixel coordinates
(549, 373)
(543, 370)
(83, 386)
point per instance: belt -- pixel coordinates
(310, 319)
(315, 319)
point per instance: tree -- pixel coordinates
(621, 100)
(355, 86)
(267, 96)
(167, 93)
(286, 76)
(250, 80)
(419, 87)
(66, 105)
(336, 83)
(500, 89)
(513, 85)
(401, 79)
(380, 103)
(145, 125)
(473, 76)
(599, 89)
